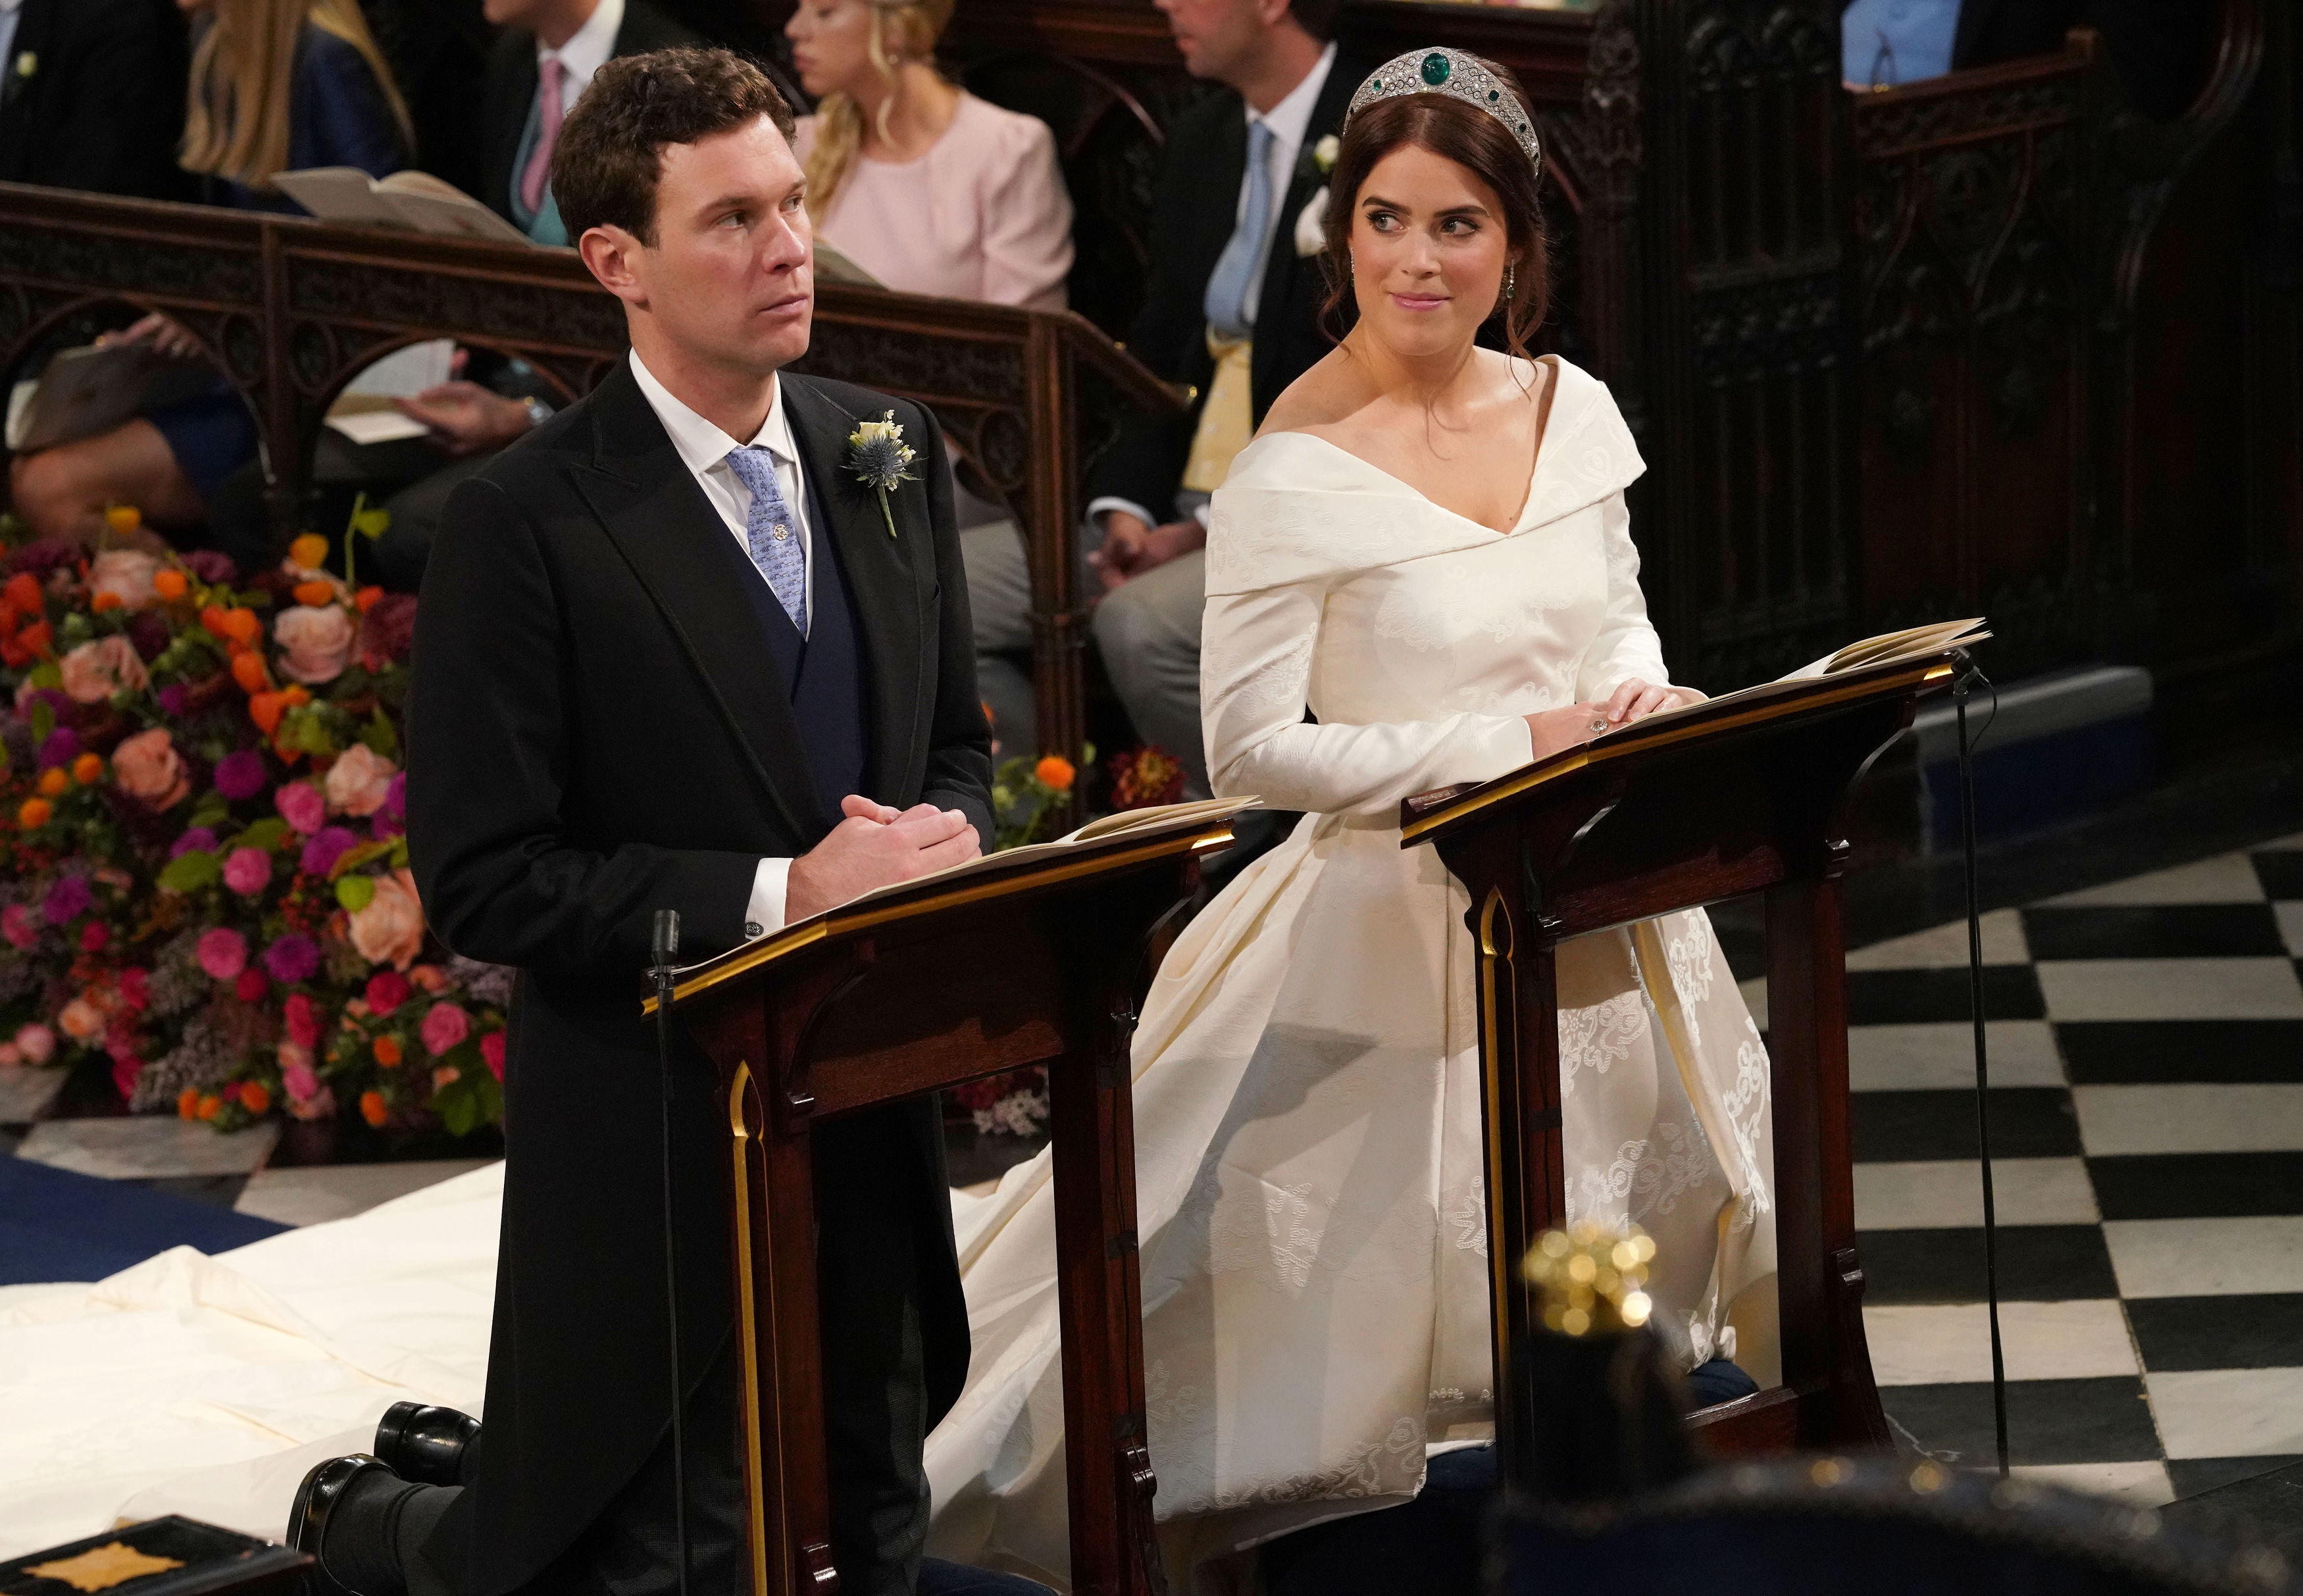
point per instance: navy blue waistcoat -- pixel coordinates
(823, 673)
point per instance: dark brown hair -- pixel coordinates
(1482, 146)
(1316, 17)
(609, 155)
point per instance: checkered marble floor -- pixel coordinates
(2145, 1043)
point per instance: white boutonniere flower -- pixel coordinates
(880, 459)
(1312, 221)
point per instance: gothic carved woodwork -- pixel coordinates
(292, 310)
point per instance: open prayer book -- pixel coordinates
(1885, 652)
(1112, 834)
(411, 200)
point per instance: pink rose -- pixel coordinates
(445, 1026)
(359, 781)
(299, 804)
(317, 640)
(222, 952)
(247, 871)
(126, 574)
(95, 671)
(37, 1042)
(10, 1054)
(390, 930)
(320, 1106)
(80, 1020)
(147, 767)
(296, 1072)
(492, 1051)
(18, 926)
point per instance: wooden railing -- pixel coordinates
(291, 310)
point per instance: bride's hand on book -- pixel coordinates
(1636, 700)
(1553, 730)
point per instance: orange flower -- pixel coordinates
(89, 769)
(297, 695)
(188, 1103)
(212, 616)
(23, 592)
(53, 782)
(243, 624)
(209, 1107)
(372, 1108)
(107, 599)
(171, 582)
(387, 1052)
(123, 518)
(254, 1096)
(1054, 771)
(367, 598)
(265, 709)
(34, 814)
(308, 550)
(315, 594)
(247, 670)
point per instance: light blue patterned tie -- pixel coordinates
(771, 533)
(1226, 299)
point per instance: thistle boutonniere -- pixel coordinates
(880, 459)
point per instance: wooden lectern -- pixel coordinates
(1742, 795)
(1039, 962)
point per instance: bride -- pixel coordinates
(1427, 546)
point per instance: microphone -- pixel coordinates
(663, 946)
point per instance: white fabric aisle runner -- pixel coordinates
(210, 1386)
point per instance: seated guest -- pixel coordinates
(2158, 47)
(543, 60)
(1233, 311)
(934, 191)
(92, 96)
(925, 187)
(276, 86)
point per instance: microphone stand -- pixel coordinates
(1968, 672)
(663, 946)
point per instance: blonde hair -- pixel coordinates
(902, 30)
(236, 121)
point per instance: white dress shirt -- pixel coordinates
(587, 51)
(1289, 121)
(703, 448)
(11, 11)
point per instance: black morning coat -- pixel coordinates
(598, 730)
(1194, 210)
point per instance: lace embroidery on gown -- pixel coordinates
(1310, 1208)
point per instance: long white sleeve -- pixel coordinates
(1255, 663)
(1626, 645)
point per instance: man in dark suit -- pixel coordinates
(1232, 310)
(2159, 47)
(666, 644)
(543, 60)
(92, 96)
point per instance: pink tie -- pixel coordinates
(539, 163)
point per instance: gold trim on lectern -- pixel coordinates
(866, 917)
(1610, 747)
(747, 1326)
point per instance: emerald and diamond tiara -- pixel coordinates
(1459, 77)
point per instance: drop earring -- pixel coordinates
(1511, 281)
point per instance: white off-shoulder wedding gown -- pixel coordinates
(1307, 1106)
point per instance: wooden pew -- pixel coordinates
(291, 310)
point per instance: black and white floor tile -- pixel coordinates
(2145, 1043)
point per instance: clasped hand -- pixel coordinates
(876, 846)
(1555, 729)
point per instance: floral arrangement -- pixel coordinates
(203, 871)
(1028, 793)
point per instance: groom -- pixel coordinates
(666, 642)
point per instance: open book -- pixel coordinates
(414, 200)
(1885, 652)
(832, 266)
(1112, 834)
(92, 388)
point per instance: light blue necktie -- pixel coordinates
(771, 533)
(1226, 300)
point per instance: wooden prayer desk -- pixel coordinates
(895, 997)
(1731, 798)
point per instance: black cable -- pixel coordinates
(663, 946)
(1968, 672)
